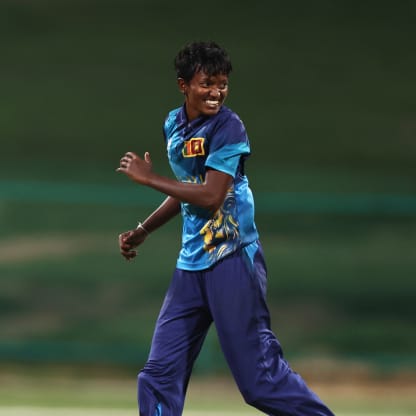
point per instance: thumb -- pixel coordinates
(147, 158)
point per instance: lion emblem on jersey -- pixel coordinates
(221, 232)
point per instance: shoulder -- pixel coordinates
(227, 114)
(172, 121)
(229, 118)
(172, 117)
(229, 123)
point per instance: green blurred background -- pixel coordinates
(327, 91)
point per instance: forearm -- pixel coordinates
(130, 240)
(209, 194)
(167, 210)
(183, 191)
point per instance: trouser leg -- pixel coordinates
(236, 295)
(180, 330)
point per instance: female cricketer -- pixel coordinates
(220, 274)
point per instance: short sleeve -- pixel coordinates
(228, 144)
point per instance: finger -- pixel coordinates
(123, 170)
(129, 255)
(126, 251)
(126, 245)
(123, 244)
(125, 161)
(126, 156)
(125, 256)
(124, 236)
(131, 155)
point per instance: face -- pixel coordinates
(204, 94)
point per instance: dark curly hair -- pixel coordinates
(202, 56)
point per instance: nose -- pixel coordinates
(215, 92)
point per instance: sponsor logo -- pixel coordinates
(194, 147)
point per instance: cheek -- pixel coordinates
(192, 93)
(196, 97)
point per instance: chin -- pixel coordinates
(211, 111)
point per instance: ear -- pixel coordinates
(182, 85)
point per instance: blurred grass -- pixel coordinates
(77, 390)
(336, 286)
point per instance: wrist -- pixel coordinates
(140, 226)
(151, 180)
(144, 179)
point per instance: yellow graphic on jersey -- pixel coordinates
(221, 233)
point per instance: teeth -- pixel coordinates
(212, 102)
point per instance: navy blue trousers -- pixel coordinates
(233, 296)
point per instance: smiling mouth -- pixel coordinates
(213, 103)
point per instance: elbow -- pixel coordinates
(212, 203)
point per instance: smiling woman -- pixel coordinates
(220, 274)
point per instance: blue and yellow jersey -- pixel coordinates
(217, 142)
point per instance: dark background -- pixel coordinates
(327, 93)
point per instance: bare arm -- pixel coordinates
(129, 240)
(209, 195)
(168, 209)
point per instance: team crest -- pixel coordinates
(194, 147)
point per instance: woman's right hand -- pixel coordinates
(129, 240)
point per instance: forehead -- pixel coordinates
(203, 76)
